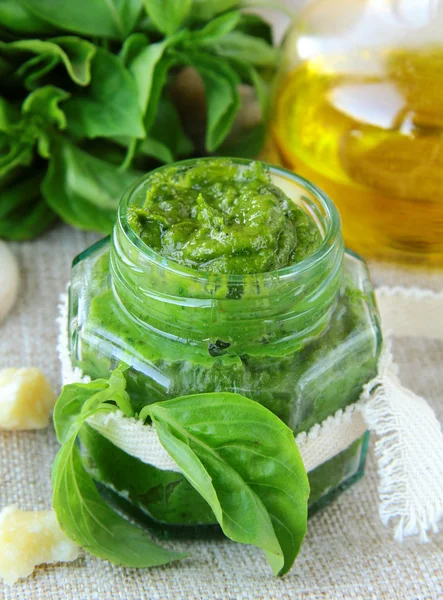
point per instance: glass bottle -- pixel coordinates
(302, 341)
(358, 110)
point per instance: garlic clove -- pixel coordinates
(9, 280)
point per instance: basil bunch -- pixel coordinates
(86, 103)
(239, 456)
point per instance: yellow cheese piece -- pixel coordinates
(28, 539)
(26, 399)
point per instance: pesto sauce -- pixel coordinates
(221, 217)
(215, 218)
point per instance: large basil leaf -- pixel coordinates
(91, 523)
(168, 15)
(109, 106)
(16, 17)
(107, 18)
(244, 462)
(81, 512)
(82, 189)
(74, 53)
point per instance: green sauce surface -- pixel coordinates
(221, 217)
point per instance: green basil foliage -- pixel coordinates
(82, 513)
(87, 100)
(237, 454)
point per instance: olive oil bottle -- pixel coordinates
(358, 110)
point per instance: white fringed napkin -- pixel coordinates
(410, 444)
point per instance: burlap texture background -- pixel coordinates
(348, 553)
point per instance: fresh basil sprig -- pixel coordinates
(244, 461)
(80, 94)
(83, 515)
(237, 454)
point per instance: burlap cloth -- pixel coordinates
(347, 553)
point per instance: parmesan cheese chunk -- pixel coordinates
(26, 399)
(28, 539)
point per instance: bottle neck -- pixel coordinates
(269, 313)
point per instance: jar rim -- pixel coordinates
(332, 226)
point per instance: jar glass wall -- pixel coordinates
(302, 341)
(358, 109)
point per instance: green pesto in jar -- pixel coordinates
(199, 305)
(221, 218)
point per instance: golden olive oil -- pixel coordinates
(367, 128)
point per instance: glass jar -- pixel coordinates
(358, 110)
(302, 341)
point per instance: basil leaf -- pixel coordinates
(34, 70)
(222, 95)
(223, 100)
(74, 53)
(247, 48)
(81, 512)
(244, 462)
(142, 67)
(244, 144)
(149, 65)
(77, 399)
(70, 404)
(168, 15)
(19, 19)
(109, 105)
(82, 189)
(27, 222)
(216, 28)
(24, 188)
(44, 102)
(17, 155)
(156, 149)
(167, 128)
(203, 10)
(16, 141)
(167, 140)
(131, 47)
(250, 75)
(9, 115)
(255, 25)
(89, 522)
(107, 18)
